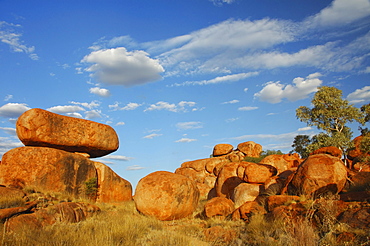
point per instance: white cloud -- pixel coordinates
(185, 140)
(8, 97)
(65, 109)
(134, 167)
(118, 66)
(307, 128)
(275, 92)
(231, 102)
(93, 114)
(180, 107)
(221, 79)
(11, 37)
(117, 158)
(100, 91)
(75, 114)
(247, 108)
(9, 130)
(221, 2)
(90, 105)
(340, 12)
(13, 110)
(214, 49)
(131, 106)
(121, 123)
(231, 120)
(153, 135)
(7, 144)
(245, 90)
(360, 95)
(189, 125)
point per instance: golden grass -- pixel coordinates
(121, 224)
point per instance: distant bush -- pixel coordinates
(263, 155)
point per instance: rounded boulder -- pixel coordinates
(166, 196)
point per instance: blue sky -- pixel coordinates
(175, 78)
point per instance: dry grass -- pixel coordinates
(121, 224)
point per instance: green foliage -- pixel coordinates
(331, 113)
(91, 188)
(300, 144)
(263, 155)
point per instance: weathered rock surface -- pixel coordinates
(111, 187)
(11, 192)
(166, 196)
(47, 169)
(282, 162)
(255, 173)
(67, 212)
(279, 200)
(247, 210)
(333, 151)
(37, 127)
(319, 174)
(246, 192)
(222, 149)
(227, 180)
(9, 212)
(218, 207)
(250, 148)
(219, 234)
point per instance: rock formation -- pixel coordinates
(38, 127)
(166, 196)
(56, 157)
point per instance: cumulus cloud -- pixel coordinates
(117, 66)
(220, 79)
(75, 114)
(92, 114)
(121, 123)
(90, 105)
(100, 91)
(65, 109)
(180, 107)
(247, 108)
(13, 110)
(275, 92)
(360, 95)
(129, 106)
(185, 140)
(189, 125)
(10, 36)
(221, 2)
(153, 135)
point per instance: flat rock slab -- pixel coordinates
(38, 127)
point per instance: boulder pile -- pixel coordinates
(56, 157)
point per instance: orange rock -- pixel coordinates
(9, 212)
(222, 149)
(37, 127)
(278, 200)
(227, 180)
(319, 174)
(282, 162)
(197, 165)
(218, 207)
(47, 169)
(245, 192)
(111, 187)
(333, 151)
(214, 165)
(255, 173)
(166, 196)
(11, 192)
(247, 210)
(250, 148)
